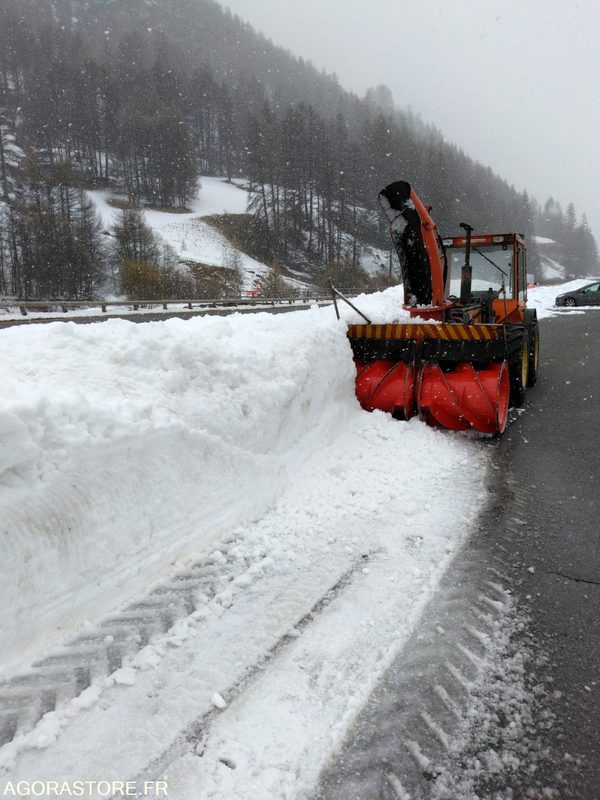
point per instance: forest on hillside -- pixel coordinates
(147, 96)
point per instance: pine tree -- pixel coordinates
(134, 240)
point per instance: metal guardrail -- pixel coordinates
(66, 305)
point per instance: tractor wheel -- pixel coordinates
(533, 331)
(518, 364)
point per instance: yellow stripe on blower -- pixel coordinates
(444, 331)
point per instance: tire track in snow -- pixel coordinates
(444, 718)
(100, 651)
(57, 530)
(192, 738)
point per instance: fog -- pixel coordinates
(515, 84)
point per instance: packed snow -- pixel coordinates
(131, 450)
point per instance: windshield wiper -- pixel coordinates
(483, 255)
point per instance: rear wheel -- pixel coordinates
(533, 331)
(518, 364)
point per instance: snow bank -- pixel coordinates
(139, 447)
(125, 447)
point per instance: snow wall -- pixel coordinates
(128, 449)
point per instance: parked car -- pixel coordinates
(585, 296)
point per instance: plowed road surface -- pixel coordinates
(539, 540)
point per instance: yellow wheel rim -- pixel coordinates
(524, 366)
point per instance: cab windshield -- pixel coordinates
(486, 276)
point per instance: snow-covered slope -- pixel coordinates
(552, 270)
(550, 267)
(131, 450)
(194, 240)
(191, 238)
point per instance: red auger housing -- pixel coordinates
(473, 347)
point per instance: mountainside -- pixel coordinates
(142, 97)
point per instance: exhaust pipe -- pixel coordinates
(466, 274)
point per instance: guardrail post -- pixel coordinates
(64, 309)
(135, 306)
(23, 310)
(189, 305)
(165, 306)
(104, 308)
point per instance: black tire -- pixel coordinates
(570, 301)
(533, 331)
(517, 340)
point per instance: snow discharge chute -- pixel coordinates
(468, 354)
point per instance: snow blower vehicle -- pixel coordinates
(471, 348)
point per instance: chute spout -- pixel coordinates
(417, 244)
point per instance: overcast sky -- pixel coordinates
(515, 83)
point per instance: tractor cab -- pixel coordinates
(498, 264)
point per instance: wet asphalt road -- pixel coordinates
(541, 529)
(553, 452)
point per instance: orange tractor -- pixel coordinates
(473, 347)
